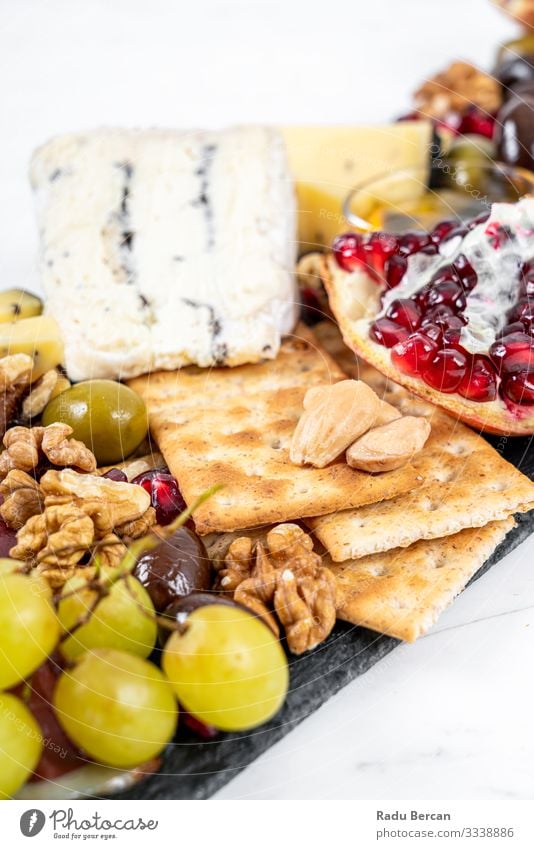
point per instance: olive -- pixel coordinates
(175, 568)
(514, 71)
(469, 162)
(107, 416)
(515, 128)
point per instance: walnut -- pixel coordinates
(284, 582)
(83, 515)
(62, 451)
(58, 537)
(24, 446)
(22, 498)
(109, 503)
(457, 88)
(137, 527)
(41, 392)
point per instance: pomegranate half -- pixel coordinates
(449, 315)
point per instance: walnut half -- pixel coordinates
(285, 583)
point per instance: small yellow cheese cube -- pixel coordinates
(39, 337)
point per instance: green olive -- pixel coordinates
(108, 417)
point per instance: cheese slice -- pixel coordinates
(163, 248)
(328, 162)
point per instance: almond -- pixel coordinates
(386, 413)
(390, 446)
(334, 416)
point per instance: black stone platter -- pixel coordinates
(196, 770)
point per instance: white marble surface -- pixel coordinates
(450, 717)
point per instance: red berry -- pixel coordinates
(477, 122)
(405, 312)
(446, 370)
(412, 243)
(165, 496)
(395, 269)
(442, 230)
(412, 355)
(348, 251)
(480, 381)
(387, 332)
(519, 387)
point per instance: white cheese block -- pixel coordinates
(163, 248)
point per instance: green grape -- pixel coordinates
(124, 619)
(28, 625)
(227, 668)
(8, 565)
(21, 744)
(118, 707)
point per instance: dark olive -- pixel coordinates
(514, 71)
(175, 568)
(515, 128)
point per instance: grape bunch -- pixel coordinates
(104, 665)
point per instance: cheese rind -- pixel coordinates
(162, 249)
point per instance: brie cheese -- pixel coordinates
(161, 249)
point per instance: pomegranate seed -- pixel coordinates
(440, 311)
(498, 234)
(446, 370)
(522, 360)
(523, 311)
(509, 345)
(459, 231)
(378, 249)
(442, 230)
(348, 251)
(395, 269)
(519, 387)
(465, 272)
(429, 250)
(387, 332)
(481, 218)
(446, 272)
(432, 331)
(477, 123)
(165, 496)
(310, 305)
(508, 329)
(526, 285)
(412, 355)
(116, 475)
(405, 312)
(480, 381)
(447, 292)
(412, 243)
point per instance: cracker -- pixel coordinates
(402, 592)
(234, 427)
(467, 484)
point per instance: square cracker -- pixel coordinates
(467, 482)
(234, 427)
(403, 591)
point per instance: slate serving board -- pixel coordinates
(196, 770)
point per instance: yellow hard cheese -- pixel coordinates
(16, 304)
(330, 161)
(39, 337)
